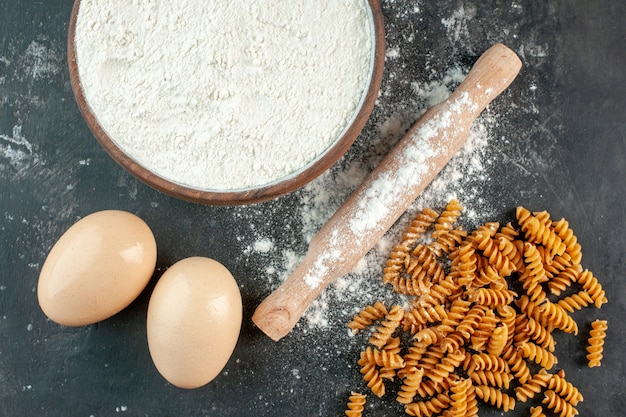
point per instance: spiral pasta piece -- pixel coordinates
(423, 265)
(507, 316)
(490, 249)
(453, 341)
(575, 302)
(458, 309)
(521, 329)
(397, 262)
(381, 358)
(497, 341)
(595, 342)
(534, 275)
(559, 405)
(459, 392)
(410, 286)
(470, 322)
(554, 266)
(430, 388)
(572, 247)
(441, 291)
(508, 232)
(559, 317)
(463, 267)
(488, 362)
(493, 297)
(433, 335)
(538, 231)
(491, 378)
(484, 330)
(422, 271)
(428, 408)
(593, 287)
(412, 381)
(393, 347)
(356, 403)
(472, 402)
(510, 250)
(433, 355)
(565, 389)
(446, 366)
(448, 241)
(489, 229)
(487, 275)
(517, 364)
(425, 219)
(447, 218)
(421, 316)
(537, 412)
(387, 327)
(540, 334)
(564, 279)
(374, 381)
(531, 309)
(412, 358)
(495, 397)
(538, 354)
(399, 257)
(367, 316)
(533, 386)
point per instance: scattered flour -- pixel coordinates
(263, 245)
(40, 61)
(16, 150)
(230, 96)
(457, 24)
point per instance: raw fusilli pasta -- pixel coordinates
(459, 392)
(559, 405)
(596, 342)
(536, 412)
(387, 327)
(495, 397)
(356, 403)
(565, 389)
(367, 316)
(483, 309)
(428, 408)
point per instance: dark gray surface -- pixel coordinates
(561, 147)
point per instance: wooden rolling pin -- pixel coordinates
(387, 191)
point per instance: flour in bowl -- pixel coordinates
(225, 94)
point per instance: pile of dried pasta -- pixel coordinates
(483, 309)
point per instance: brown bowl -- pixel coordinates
(250, 195)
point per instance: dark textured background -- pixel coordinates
(564, 120)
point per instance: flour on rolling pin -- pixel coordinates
(374, 205)
(386, 193)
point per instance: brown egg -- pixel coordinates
(96, 268)
(194, 320)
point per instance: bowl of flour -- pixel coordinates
(226, 102)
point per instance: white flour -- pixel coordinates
(224, 94)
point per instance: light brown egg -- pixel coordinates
(194, 320)
(96, 268)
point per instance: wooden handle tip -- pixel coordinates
(274, 322)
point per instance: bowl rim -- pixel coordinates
(265, 192)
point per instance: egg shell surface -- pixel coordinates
(194, 321)
(96, 268)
